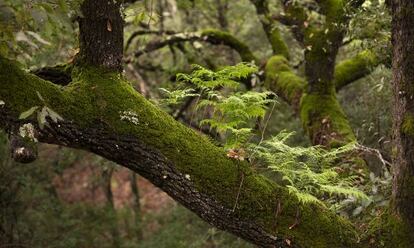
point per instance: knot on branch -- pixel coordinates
(23, 149)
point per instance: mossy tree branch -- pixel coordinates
(281, 79)
(355, 68)
(103, 114)
(270, 28)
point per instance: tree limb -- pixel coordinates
(355, 68)
(212, 36)
(146, 32)
(103, 114)
(272, 32)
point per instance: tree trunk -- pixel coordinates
(403, 84)
(101, 34)
(321, 114)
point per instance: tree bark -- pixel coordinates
(101, 34)
(403, 85)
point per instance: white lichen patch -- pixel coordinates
(187, 177)
(28, 131)
(129, 116)
(19, 151)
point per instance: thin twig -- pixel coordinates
(374, 152)
(297, 220)
(238, 193)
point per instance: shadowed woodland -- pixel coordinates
(217, 123)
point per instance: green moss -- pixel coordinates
(324, 120)
(231, 41)
(295, 13)
(279, 46)
(388, 231)
(99, 96)
(352, 69)
(281, 79)
(319, 52)
(332, 9)
(407, 126)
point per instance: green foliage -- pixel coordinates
(176, 96)
(229, 76)
(230, 113)
(29, 30)
(370, 29)
(309, 172)
(42, 114)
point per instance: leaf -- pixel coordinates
(21, 36)
(40, 96)
(41, 118)
(53, 115)
(28, 113)
(38, 38)
(109, 25)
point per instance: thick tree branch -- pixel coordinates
(146, 32)
(103, 114)
(270, 28)
(355, 68)
(212, 36)
(281, 79)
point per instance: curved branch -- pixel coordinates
(355, 68)
(281, 79)
(212, 36)
(146, 32)
(103, 114)
(272, 32)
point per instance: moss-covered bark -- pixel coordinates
(324, 120)
(220, 37)
(357, 67)
(270, 28)
(388, 231)
(97, 99)
(281, 79)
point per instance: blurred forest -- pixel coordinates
(72, 198)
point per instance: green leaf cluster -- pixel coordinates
(230, 112)
(310, 173)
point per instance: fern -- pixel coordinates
(231, 112)
(309, 173)
(177, 96)
(228, 76)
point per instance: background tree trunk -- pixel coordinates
(101, 34)
(403, 83)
